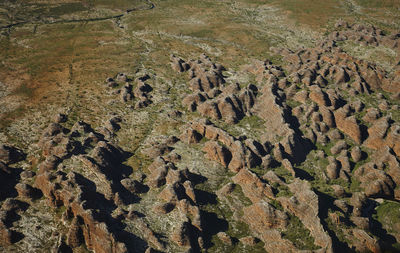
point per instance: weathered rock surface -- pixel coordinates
(264, 216)
(131, 185)
(252, 186)
(348, 125)
(305, 205)
(376, 182)
(10, 155)
(218, 153)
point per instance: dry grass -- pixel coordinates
(71, 60)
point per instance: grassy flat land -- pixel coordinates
(68, 48)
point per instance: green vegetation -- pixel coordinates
(251, 126)
(284, 192)
(259, 171)
(276, 204)
(379, 3)
(388, 213)
(60, 210)
(326, 148)
(338, 228)
(10, 116)
(238, 193)
(283, 172)
(24, 90)
(312, 12)
(251, 122)
(299, 235)
(292, 103)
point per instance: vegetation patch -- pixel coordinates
(299, 235)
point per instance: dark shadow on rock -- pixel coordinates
(386, 240)
(211, 226)
(364, 131)
(64, 248)
(292, 120)
(146, 88)
(94, 199)
(11, 217)
(194, 234)
(97, 201)
(112, 166)
(274, 164)
(324, 204)
(260, 148)
(37, 194)
(301, 146)
(9, 177)
(204, 198)
(133, 243)
(340, 103)
(16, 236)
(302, 150)
(304, 175)
(144, 78)
(196, 178)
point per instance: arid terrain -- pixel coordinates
(199, 126)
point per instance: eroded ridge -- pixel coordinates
(299, 153)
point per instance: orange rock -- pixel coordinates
(252, 186)
(319, 97)
(262, 216)
(304, 204)
(217, 153)
(348, 125)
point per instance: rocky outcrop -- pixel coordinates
(26, 191)
(356, 154)
(376, 183)
(178, 64)
(209, 98)
(305, 205)
(126, 93)
(190, 136)
(262, 216)
(348, 125)
(182, 235)
(141, 92)
(75, 235)
(218, 153)
(271, 107)
(96, 234)
(82, 195)
(226, 239)
(252, 186)
(365, 242)
(387, 160)
(10, 212)
(10, 155)
(333, 169)
(339, 147)
(319, 97)
(224, 148)
(382, 134)
(321, 117)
